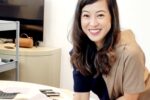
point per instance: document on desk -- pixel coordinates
(25, 93)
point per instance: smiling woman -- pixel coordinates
(96, 22)
(105, 59)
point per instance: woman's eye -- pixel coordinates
(101, 15)
(85, 15)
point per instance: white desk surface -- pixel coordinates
(30, 91)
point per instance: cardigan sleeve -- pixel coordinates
(133, 75)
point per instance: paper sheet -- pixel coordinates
(25, 93)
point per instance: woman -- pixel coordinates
(106, 60)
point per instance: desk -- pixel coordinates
(30, 91)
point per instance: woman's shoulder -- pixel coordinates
(126, 36)
(128, 44)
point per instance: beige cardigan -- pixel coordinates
(128, 74)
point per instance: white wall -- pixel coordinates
(134, 14)
(58, 17)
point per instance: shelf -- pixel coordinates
(8, 66)
(7, 25)
(11, 25)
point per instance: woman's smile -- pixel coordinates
(94, 32)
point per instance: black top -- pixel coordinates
(90, 83)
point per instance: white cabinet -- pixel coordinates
(37, 65)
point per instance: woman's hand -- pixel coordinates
(81, 96)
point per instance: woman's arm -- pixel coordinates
(81, 96)
(129, 97)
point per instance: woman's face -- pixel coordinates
(96, 21)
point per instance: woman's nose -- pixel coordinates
(94, 21)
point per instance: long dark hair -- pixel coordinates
(84, 55)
